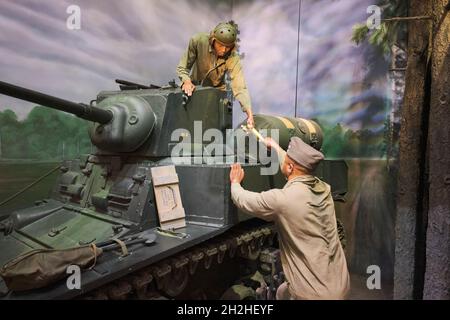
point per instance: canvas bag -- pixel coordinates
(41, 267)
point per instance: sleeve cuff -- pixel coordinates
(235, 187)
(245, 109)
(183, 78)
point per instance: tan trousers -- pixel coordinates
(283, 292)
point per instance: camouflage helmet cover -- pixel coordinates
(225, 33)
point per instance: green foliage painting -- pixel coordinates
(341, 142)
(45, 134)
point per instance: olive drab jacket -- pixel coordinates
(201, 58)
(311, 254)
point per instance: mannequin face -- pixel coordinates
(220, 49)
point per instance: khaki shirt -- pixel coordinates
(201, 58)
(311, 254)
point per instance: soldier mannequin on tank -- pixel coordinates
(209, 56)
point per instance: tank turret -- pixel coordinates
(139, 121)
(121, 125)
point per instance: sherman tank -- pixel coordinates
(110, 194)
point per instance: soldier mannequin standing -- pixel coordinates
(303, 211)
(210, 56)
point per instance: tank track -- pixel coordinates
(169, 277)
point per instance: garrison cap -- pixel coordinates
(302, 153)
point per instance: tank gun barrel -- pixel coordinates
(81, 110)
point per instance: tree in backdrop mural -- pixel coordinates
(45, 134)
(374, 204)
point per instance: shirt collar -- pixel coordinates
(306, 177)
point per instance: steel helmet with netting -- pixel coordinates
(225, 33)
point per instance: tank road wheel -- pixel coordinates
(251, 245)
(253, 250)
(141, 284)
(119, 290)
(209, 253)
(232, 246)
(179, 277)
(161, 274)
(267, 236)
(257, 243)
(193, 261)
(222, 249)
